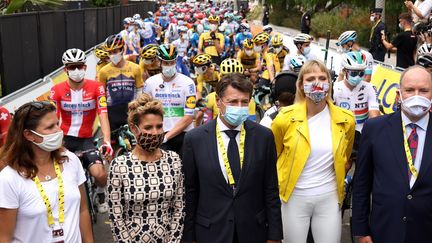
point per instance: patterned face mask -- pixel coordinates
(150, 142)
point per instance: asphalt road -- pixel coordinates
(102, 232)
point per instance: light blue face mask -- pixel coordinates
(354, 81)
(236, 115)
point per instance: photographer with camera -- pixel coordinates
(423, 32)
(420, 10)
(404, 44)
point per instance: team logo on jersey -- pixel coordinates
(191, 88)
(191, 102)
(360, 97)
(102, 101)
(345, 105)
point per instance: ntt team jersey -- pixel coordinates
(77, 108)
(177, 96)
(360, 100)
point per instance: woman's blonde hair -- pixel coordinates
(141, 106)
(309, 67)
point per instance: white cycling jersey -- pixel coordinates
(181, 46)
(360, 100)
(177, 96)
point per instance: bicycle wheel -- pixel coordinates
(89, 196)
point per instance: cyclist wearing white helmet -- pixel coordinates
(347, 40)
(243, 35)
(425, 48)
(137, 17)
(134, 43)
(302, 42)
(353, 93)
(182, 45)
(77, 101)
(425, 60)
(171, 33)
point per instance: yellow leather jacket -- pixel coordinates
(291, 132)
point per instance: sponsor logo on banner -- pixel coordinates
(386, 82)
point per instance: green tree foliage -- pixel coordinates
(104, 3)
(16, 6)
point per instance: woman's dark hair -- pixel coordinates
(17, 151)
(237, 81)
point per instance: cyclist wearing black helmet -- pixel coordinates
(177, 93)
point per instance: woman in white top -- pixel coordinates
(314, 140)
(42, 196)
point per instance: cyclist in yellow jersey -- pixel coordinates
(103, 56)
(206, 73)
(250, 60)
(122, 80)
(278, 48)
(212, 42)
(149, 64)
(229, 65)
(269, 62)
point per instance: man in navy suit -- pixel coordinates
(395, 166)
(230, 174)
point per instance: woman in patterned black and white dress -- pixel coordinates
(146, 193)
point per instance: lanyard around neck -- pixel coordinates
(225, 153)
(46, 199)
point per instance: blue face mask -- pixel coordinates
(236, 115)
(354, 81)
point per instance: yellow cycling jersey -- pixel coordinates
(269, 59)
(206, 43)
(99, 66)
(211, 79)
(281, 55)
(248, 62)
(151, 69)
(121, 83)
(211, 104)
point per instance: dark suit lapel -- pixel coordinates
(396, 138)
(214, 157)
(248, 151)
(427, 153)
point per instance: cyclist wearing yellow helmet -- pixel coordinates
(229, 65)
(212, 42)
(249, 59)
(149, 64)
(205, 72)
(103, 56)
(269, 61)
(277, 48)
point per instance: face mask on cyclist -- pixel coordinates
(76, 75)
(235, 115)
(316, 91)
(354, 78)
(148, 141)
(416, 106)
(249, 52)
(257, 48)
(131, 28)
(116, 58)
(306, 50)
(184, 36)
(50, 142)
(147, 61)
(200, 70)
(213, 27)
(278, 49)
(169, 71)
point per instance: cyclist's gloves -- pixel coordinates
(106, 149)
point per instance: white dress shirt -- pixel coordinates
(225, 139)
(421, 132)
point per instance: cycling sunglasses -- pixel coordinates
(75, 66)
(356, 73)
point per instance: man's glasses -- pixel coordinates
(75, 66)
(356, 73)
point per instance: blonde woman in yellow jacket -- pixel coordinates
(314, 140)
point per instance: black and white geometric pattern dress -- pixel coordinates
(146, 199)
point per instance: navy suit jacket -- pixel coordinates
(398, 213)
(212, 209)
